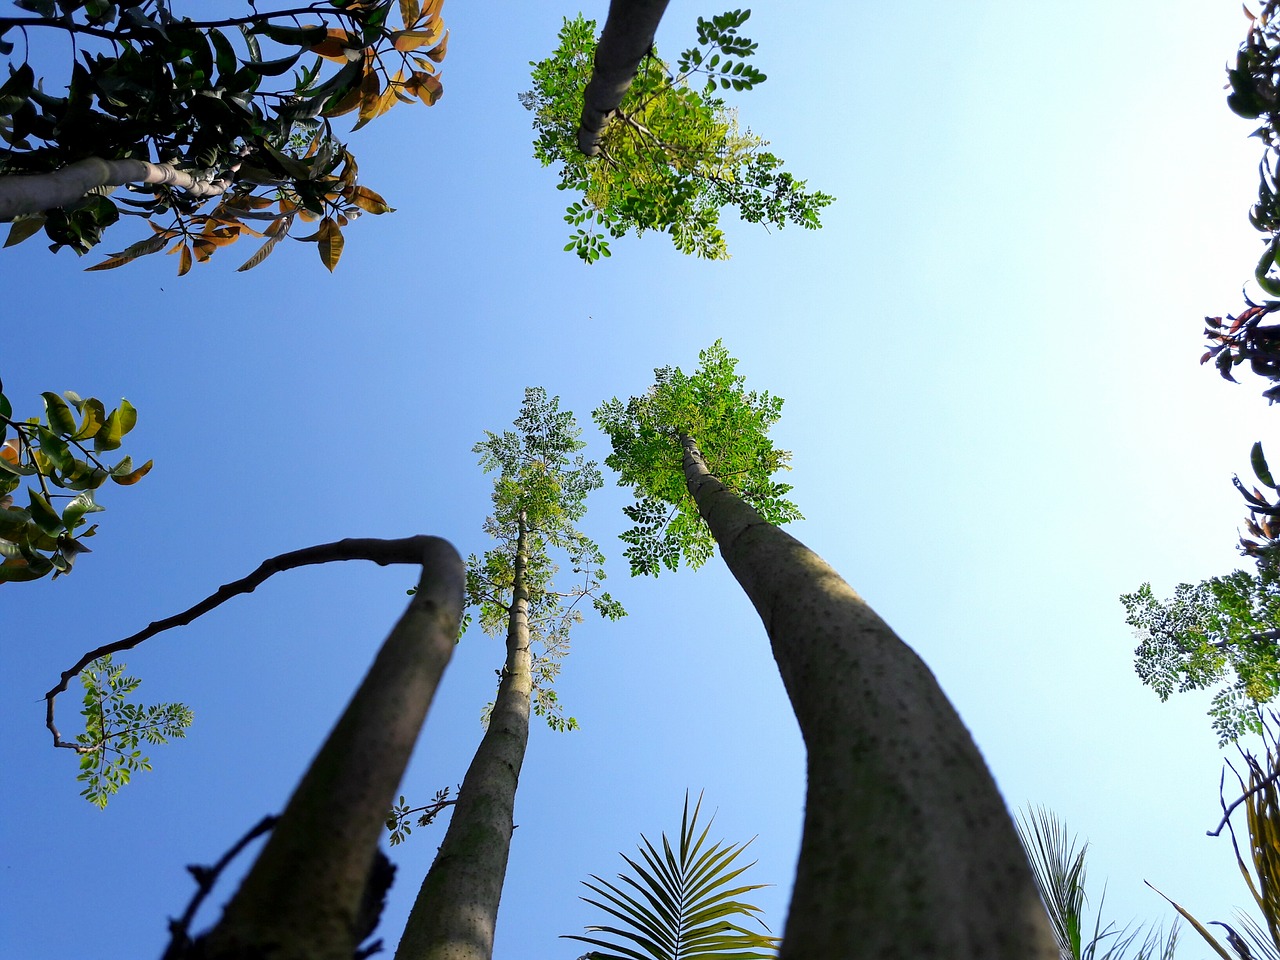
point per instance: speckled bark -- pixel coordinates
(908, 851)
(302, 897)
(456, 910)
(626, 38)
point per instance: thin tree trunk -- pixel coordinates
(627, 37)
(38, 192)
(302, 900)
(908, 850)
(457, 906)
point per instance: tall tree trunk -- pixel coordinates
(303, 897)
(457, 907)
(626, 38)
(908, 850)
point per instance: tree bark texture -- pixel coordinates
(302, 898)
(908, 850)
(627, 37)
(456, 910)
(38, 192)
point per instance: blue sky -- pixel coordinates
(989, 356)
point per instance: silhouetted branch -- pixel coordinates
(381, 552)
(206, 877)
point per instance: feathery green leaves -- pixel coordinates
(672, 156)
(730, 425)
(542, 483)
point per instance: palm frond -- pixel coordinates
(1057, 861)
(678, 902)
(1058, 864)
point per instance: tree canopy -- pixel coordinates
(212, 125)
(730, 424)
(673, 155)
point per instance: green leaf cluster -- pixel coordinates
(540, 491)
(677, 903)
(403, 818)
(731, 428)
(59, 451)
(212, 99)
(115, 728)
(1221, 634)
(673, 156)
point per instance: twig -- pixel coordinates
(206, 877)
(381, 552)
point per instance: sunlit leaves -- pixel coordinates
(244, 109)
(687, 905)
(58, 452)
(1222, 634)
(115, 729)
(539, 494)
(730, 426)
(673, 156)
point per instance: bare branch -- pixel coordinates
(381, 552)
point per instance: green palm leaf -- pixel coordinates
(1058, 864)
(677, 903)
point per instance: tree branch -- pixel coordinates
(129, 34)
(38, 192)
(206, 877)
(381, 552)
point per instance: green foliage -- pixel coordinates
(686, 908)
(541, 489)
(58, 451)
(114, 729)
(245, 101)
(1220, 633)
(403, 818)
(1255, 95)
(673, 156)
(1058, 864)
(730, 426)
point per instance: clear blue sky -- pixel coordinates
(989, 357)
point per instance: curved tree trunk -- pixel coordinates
(908, 850)
(303, 897)
(456, 910)
(627, 37)
(38, 192)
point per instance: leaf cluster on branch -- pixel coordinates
(211, 125)
(1222, 633)
(730, 425)
(114, 729)
(61, 451)
(673, 155)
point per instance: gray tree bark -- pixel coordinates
(456, 910)
(38, 192)
(908, 850)
(302, 898)
(627, 37)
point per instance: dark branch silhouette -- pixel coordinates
(381, 552)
